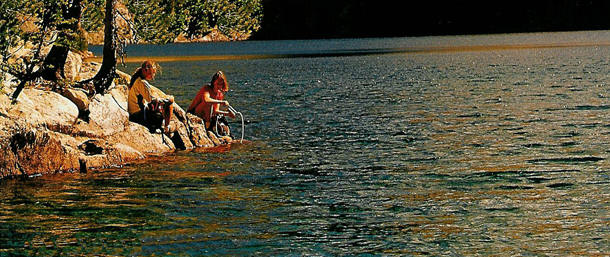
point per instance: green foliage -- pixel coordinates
(154, 21)
(70, 34)
(93, 15)
(240, 17)
(9, 25)
(24, 26)
(161, 21)
(232, 17)
(31, 26)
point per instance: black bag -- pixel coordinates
(154, 115)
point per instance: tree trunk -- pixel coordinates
(18, 90)
(103, 78)
(53, 66)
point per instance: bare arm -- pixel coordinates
(208, 99)
(217, 110)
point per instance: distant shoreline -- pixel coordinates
(357, 52)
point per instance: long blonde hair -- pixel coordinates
(148, 64)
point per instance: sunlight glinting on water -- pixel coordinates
(498, 147)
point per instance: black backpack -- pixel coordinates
(154, 115)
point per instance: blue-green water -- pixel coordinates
(357, 149)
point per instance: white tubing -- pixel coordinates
(243, 125)
(234, 112)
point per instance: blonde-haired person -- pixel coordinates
(143, 108)
(206, 105)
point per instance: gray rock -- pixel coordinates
(78, 97)
(42, 108)
(73, 66)
(41, 132)
(107, 112)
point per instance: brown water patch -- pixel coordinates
(440, 195)
(193, 174)
(215, 149)
(500, 168)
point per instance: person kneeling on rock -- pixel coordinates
(206, 105)
(143, 108)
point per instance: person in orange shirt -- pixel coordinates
(206, 105)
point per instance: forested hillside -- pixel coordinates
(375, 18)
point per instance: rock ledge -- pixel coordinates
(44, 132)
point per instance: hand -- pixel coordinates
(225, 103)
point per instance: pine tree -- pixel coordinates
(70, 36)
(61, 23)
(30, 24)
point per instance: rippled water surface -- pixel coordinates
(468, 152)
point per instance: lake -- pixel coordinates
(455, 145)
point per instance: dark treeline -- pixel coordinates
(298, 19)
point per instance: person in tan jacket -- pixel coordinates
(143, 108)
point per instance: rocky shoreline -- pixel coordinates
(45, 132)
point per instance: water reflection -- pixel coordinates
(445, 153)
